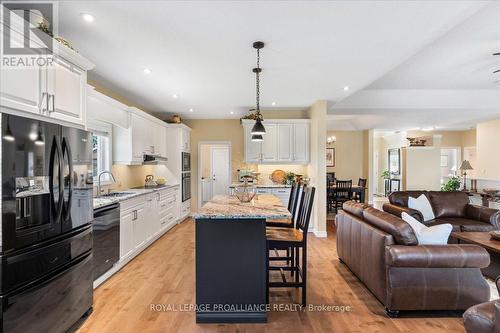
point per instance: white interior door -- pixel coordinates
(220, 170)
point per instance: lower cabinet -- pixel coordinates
(283, 193)
(143, 218)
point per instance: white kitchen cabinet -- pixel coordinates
(144, 135)
(66, 88)
(185, 141)
(140, 225)
(55, 87)
(102, 108)
(270, 143)
(301, 143)
(283, 193)
(127, 244)
(285, 141)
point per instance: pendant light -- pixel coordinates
(39, 139)
(8, 133)
(258, 128)
(257, 138)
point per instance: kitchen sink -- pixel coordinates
(116, 195)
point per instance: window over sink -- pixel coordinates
(101, 150)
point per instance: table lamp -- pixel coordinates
(464, 167)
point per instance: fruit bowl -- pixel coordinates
(245, 192)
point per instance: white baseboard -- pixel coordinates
(320, 234)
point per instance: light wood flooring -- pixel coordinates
(164, 274)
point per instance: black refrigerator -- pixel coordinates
(46, 279)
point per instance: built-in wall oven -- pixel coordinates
(186, 162)
(46, 235)
(186, 186)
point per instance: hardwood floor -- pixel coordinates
(164, 274)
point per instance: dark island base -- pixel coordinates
(231, 270)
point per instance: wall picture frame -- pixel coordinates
(394, 161)
(330, 157)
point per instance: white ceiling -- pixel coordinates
(202, 50)
(449, 83)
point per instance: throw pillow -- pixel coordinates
(423, 205)
(435, 235)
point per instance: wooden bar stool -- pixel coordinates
(295, 239)
(295, 193)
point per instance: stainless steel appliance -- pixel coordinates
(46, 235)
(186, 186)
(186, 162)
(106, 238)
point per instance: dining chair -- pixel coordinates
(295, 193)
(361, 184)
(296, 239)
(342, 193)
(330, 194)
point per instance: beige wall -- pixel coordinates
(317, 167)
(351, 155)
(488, 157)
(422, 168)
(215, 130)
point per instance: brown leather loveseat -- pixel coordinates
(448, 207)
(383, 252)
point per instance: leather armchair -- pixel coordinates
(484, 317)
(484, 214)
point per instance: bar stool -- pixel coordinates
(295, 239)
(295, 193)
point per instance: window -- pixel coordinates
(101, 150)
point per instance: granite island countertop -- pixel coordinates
(258, 185)
(264, 206)
(103, 201)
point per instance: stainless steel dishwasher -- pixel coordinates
(106, 238)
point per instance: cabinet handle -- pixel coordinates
(44, 97)
(50, 96)
(53, 103)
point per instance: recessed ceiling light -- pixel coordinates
(273, 103)
(232, 112)
(87, 17)
(175, 96)
(191, 110)
(147, 71)
(346, 88)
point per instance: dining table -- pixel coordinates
(360, 190)
(232, 258)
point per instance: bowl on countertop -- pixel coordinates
(245, 192)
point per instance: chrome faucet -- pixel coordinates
(99, 181)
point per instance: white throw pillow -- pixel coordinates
(423, 205)
(435, 235)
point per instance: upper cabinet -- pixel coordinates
(185, 140)
(143, 135)
(55, 87)
(285, 141)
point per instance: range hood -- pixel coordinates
(153, 159)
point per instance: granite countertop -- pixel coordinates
(258, 185)
(226, 206)
(103, 201)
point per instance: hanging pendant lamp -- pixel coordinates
(258, 128)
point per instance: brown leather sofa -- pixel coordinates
(448, 207)
(484, 317)
(383, 252)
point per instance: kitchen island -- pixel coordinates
(231, 258)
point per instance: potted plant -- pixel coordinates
(452, 185)
(289, 178)
(385, 175)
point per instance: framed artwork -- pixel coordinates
(444, 161)
(394, 161)
(330, 157)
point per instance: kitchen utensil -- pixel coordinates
(149, 181)
(245, 192)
